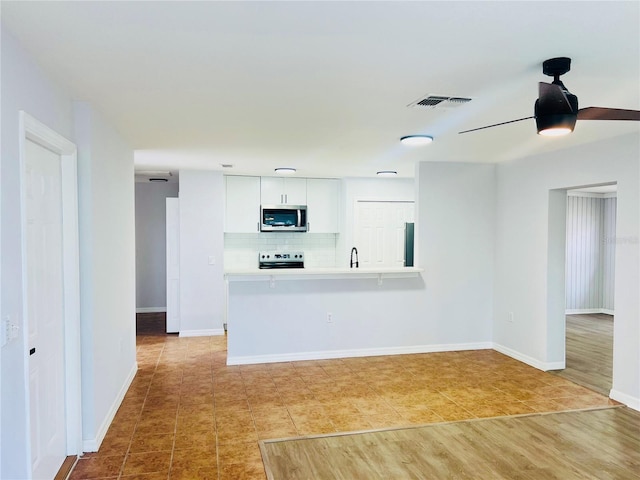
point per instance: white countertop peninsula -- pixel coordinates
(327, 273)
(317, 313)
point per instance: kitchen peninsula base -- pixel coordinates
(309, 315)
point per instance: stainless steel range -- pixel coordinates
(281, 260)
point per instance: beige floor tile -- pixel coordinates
(186, 406)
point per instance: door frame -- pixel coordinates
(556, 336)
(33, 130)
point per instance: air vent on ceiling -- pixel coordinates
(438, 101)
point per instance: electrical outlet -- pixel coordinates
(329, 317)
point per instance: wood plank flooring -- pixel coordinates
(589, 354)
(595, 444)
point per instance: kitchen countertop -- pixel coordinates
(328, 273)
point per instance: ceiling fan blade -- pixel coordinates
(552, 95)
(495, 125)
(601, 113)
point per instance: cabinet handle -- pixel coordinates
(308, 226)
(258, 225)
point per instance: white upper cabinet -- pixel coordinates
(283, 191)
(242, 209)
(323, 205)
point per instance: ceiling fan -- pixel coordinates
(556, 110)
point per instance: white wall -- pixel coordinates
(202, 290)
(24, 87)
(107, 252)
(107, 270)
(151, 244)
(455, 245)
(531, 193)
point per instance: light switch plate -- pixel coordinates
(4, 332)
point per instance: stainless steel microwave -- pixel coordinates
(283, 218)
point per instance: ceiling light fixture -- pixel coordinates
(555, 124)
(285, 171)
(387, 173)
(557, 111)
(416, 139)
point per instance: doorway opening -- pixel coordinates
(589, 280)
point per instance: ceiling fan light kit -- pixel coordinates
(556, 109)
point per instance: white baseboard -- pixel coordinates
(364, 352)
(151, 310)
(544, 366)
(628, 400)
(587, 311)
(93, 444)
(202, 333)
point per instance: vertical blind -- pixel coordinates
(590, 253)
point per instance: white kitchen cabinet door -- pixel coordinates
(283, 191)
(295, 190)
(242, 209)
(323, 205)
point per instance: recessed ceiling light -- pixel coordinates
(285, 171)
(416, 139)
(387, 173)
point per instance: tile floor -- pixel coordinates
(189, 416)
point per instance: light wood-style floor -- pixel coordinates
(187, 415)
(595, 444)
(589, 351)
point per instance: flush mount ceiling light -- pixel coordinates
(387, 173)
(416, 139)
(285, 171)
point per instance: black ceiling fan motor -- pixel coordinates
(554, 67)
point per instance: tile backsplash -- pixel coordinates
(241, 249)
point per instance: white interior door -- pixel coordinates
(173, 265)
(45, 309)
(379, 232)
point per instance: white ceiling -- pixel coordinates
(324, 86)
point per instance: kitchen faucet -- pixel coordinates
(354, 250)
